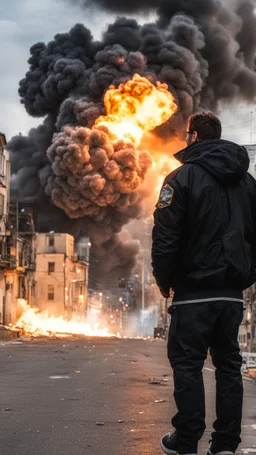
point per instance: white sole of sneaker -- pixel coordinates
(224, 452)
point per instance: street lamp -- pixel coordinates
(121, 315)
(249, 320)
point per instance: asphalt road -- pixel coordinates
(95, 397)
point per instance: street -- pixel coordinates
(80, 396)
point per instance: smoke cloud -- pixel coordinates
(90, 174)
(78, 180)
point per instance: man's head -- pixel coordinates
(203, 126)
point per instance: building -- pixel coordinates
(17, 258)
(251, 149)
(247, 331)
(19, 271)
(5, 254)
(61, 277)
(54, 277)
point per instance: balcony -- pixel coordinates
(7, 261)
(83, 258)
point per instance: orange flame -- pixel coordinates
(164, 165)
(36, 323)
(135, 108)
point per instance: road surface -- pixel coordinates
(95, 397)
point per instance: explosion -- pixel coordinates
(35, 323)
(135, 108)
(101, 167)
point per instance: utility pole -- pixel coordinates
(251, 128)
(250, 319)
(17, 231)
(121, 315)
(253, 317)
(143, 281)
(64, 284)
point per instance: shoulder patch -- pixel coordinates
(166, 196)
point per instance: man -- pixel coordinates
(204, 250)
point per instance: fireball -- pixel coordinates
(136, 107)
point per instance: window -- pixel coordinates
(2, 164)
(1, 204)
(2, 169)
(51, 267)
(242, 339)
(50, 292)
(49, 240)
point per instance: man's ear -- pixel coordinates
(194, 136)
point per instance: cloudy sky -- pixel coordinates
(25, 22)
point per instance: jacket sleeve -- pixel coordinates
(168, 226)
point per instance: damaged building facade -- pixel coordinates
(42, 269)
(61, 276)
(17, 258)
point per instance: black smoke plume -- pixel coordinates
(78, 181)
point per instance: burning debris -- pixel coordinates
(86, 162)
(35, 323)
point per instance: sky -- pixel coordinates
(22, 24)
(25, 22)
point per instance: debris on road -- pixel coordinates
(59, 377)
(154, 382)
(161, 382)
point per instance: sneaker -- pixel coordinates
(168, 443)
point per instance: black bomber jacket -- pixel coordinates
(204, 235)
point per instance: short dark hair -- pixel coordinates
(206, 124)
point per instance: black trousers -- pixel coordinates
(195, 328)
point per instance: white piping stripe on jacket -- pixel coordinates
(213, 299)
